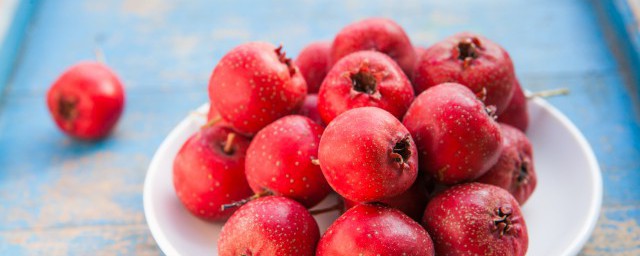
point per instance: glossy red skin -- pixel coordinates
(370, 229)
(271, 225)
(461, 222)
(251, 87)
(99, 100)
(420, 50)
(213, 113)
(515, 170)
(378, 34)
(412, 202)
(356, 155)
(517, 113)
(492, 69)
(310, 109)
(205, 177)
(394, 92)
(279, 160)
(456, 138)
(313, 62)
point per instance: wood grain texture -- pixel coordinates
(59, 196)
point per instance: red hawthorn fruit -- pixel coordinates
(254, 84)
(86, 101)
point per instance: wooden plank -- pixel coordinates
(59, 196)
(84, 240)
(161, 44)
(15, 16)
(620, 21)
(617, 233)
(48, 180)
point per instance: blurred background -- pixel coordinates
(60, 196)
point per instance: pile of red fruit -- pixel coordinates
(443, 172)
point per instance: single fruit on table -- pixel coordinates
(516, 114)
(310, 109)
(514, 171)
(254, 84)
(377, 34)
(456, 136)
(476, 219)
(86, 101)
(471, 60)
(364, 79)
(271, 225)
(411, 202)
(208, 172)
(370, 229)
(280, 160)
(367, 155)
(313, 62)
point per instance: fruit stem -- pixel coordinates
(100, 55)
(337, 206)
(246, 200)
(228, 145)
(212, 122)
(315, 161)
(548, 93)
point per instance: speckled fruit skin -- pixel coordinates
(310, 109)
(412, 202)
(364, 79)
(271, 225)
(515, 170)
(517, 113)
(370, 229)
(86, 101)
(367, 155)
(489, 68)
(457, 139)
(313, 62)
(420, 50)
(476, 219)
(279, 160)
(254, 84)
(378, 34)
(205, 177)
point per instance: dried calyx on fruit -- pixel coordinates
(457, 136)
(380, 158)
(253, 85)
(476, 219)
(473, 61)
(364, 79)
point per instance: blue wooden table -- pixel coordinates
(60, 196)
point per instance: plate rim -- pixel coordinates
(150, 217)
(573, 248)
(596, 195)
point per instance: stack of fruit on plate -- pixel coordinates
(425, 148)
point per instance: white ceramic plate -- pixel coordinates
(560, 215)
